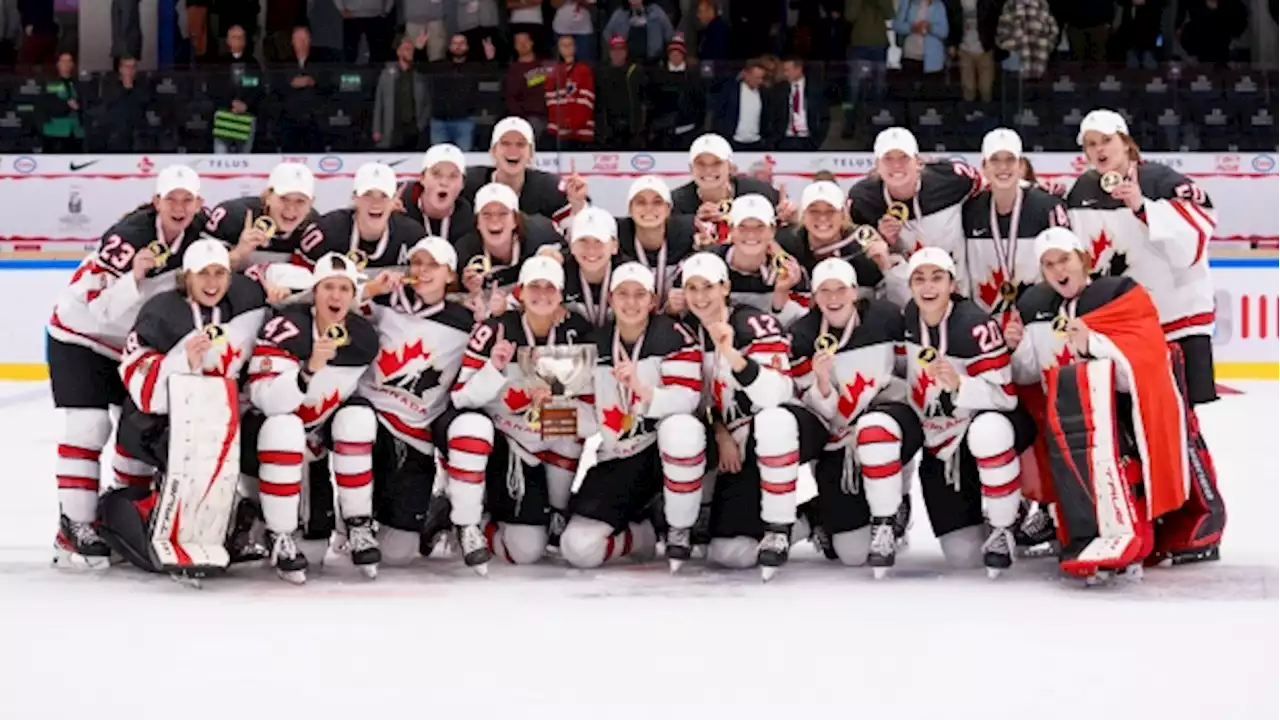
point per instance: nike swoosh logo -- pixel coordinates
(77, 167)
(1087, 203)
(1043, 315)
(978, 233)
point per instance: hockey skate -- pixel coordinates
(773, 550)
(79, 547)
(359, 547)
(902, 522)
(475, 548)
(679, 547)
(287, 559)
(700, 537)
(880, 555)
(436, 524)
(1036, 534)
(555, 528)
(997, 552)
(242, 547)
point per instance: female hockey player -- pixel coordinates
(492, 255)
(762, 274)
(1001, 224)
(1097, 347)
(135, 260)
(434, 199)
(369, 232)
(843, 355)
(714, 186)
(526, 482)
(960, 385)
(648, 382)
(421, 337)
(273, 226)
(206, 326)
(540, 193)
(760, 439)
(593, 253)
(652, 235)
(1151, 223)
(303, 379)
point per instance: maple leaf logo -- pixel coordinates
(311, 414)
(1098, 246)
(516, 399)
(717, 393)
(920, 392)
(989, 292)
(1062, 359)
(393, 362)
(849, 400)
(613, 419)
(226, 358)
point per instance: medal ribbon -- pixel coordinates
(916, 214)
(197, 317)
(1007, 249)
(659, 272)
(942, 332)
(382, 241)
(620, 353)
(596, 313)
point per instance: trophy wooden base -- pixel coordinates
(558, 422)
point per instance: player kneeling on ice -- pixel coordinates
(647, 387)
(760, 440)
(181, 365)
(530, 373)
(1116, 426)
(843, 355)
(961, 386)
(302, 385)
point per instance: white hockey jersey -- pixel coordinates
(999, 250)
(765, 382)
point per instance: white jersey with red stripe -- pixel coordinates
(418, 361)
(971, 341)
(100, 305)
(1000, 258)
(735, 397)
(1164, 246)
(156, 349)
(669, 360)
(862, 369)
(276, 383)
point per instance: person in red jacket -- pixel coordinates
(571, 100)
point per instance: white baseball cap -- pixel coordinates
(711, 143)
(753, 206)
(177, 177)
(708, 266)
(497, 193)
(511, 124)
(444, 152)
(631, 272)
(541, 267)
(375, 176)
(1107, 122)
(333, 265)
(439, 249)
(1001, 140)
(292, 177)
(205, 252)
(834, 269)
(934, 256)
(822, 191)
(596, 223)
(896, 138)
(1057, 238)
(649, 182)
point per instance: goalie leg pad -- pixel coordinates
(682, 442)
(84, 433)
(469, 445)
(197, 496)
(990, 440)
(281, 447)
(777, 451)
(1095, 499)
(354, 429)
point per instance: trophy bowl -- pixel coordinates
(564, 370)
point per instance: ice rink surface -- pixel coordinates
(628, 641)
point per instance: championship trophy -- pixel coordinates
(566, 371)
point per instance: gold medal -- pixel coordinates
(626, 424)
(216, 332)
(1008, 291)
(899, 210)
(359, 257)
(160, 250)
(926, 356)
(865, 235)
(780, 258)
(533, 417)
(1110, 181)
(725, 206)
(338, 334)
(266, 226)
(480, 264)
(826, 343)
(1059, 325)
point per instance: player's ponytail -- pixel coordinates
(180, 279)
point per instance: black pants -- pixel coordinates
(840, 511)
(618, 492)
(81, 378)
(377, 31)
(1197, 354)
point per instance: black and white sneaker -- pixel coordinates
(773, 550)
(78, 546)
(475, 548)
(997, 552)
(884, 545)
(287, 559)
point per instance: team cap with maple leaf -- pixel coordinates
(631, 272)
(439, 249)
(752, 207)
(822, 191)
(334, 265)
(649, 182)
(592, 222)
(934, 256)
(834, 269)
(291, 177)
(497, 193)
(708, 266)
(1057, 238)
(444, 152)
(541, 267)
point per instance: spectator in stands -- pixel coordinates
(922, 29)
(424, 24)
(478, 20)
(1136, 39)
(1206, 28)
(299, 98)
(973, 43)
(713, 33)
(10, 32)
(677, 100)
(620, 95)
(40, 33)
(801, 119)
(524, 85)
(646, 28)
(743, 110)
(868, 49)
(1088, 27)
(571, 100)
(126, 29)
(1028, 30)
(400, 102)
(124, 104)
(455, 93)
(235, 121)
(238, 12)
(577, 18)
(282, 17)
(63, 131)
(526, 17)
(370, 20)
(198, 27)
(754, 23)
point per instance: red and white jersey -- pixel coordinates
(866, 353)
(669, 360)
(100, 306)
(1164, 247)
(276, 385)
(419, 356)
(1000, 252)
(735, 397)
(1044, 312)
(156, 348)
(971, 341)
